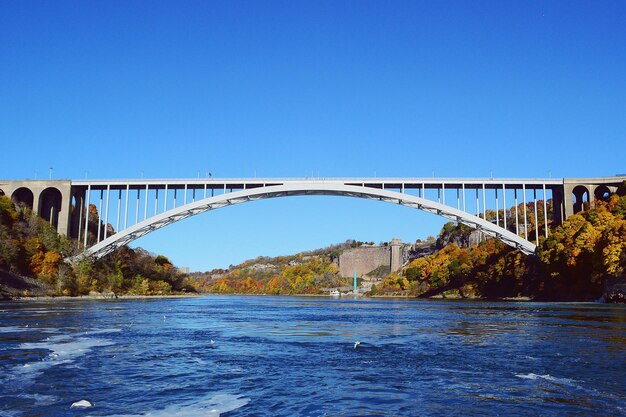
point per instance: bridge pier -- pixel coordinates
(558, 206)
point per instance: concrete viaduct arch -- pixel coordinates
(298, 189)
(47, 199)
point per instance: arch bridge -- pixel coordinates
(106, 214)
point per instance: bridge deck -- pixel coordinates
(240, 183)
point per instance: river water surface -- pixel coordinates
(250, 356)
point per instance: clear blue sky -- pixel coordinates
(285, 89)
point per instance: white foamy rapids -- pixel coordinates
(546, 377)
(18, 329)
(13, 329)
(210, 406)
(64, 349)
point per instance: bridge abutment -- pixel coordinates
(50, 200)
(582, 193)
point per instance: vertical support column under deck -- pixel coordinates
(497, 209)
(516, 212)
(145, 208)
(477, 204)
(185, 198)
(165, 203)
(106, 213)
(484, 203)
(463, 187)
(137, 207)
(156, 200)
(80, 218)
(564, 206)
(126, 206)
(536, 217)
(204, 190)
(504, 204)
(525, 217)
(545, 210)
(100, 213)
(119, 207)
(443, 193)
(87, 216)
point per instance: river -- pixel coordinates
(288, 356)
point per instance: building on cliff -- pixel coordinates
(371, 262)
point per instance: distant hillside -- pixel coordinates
(311, 272)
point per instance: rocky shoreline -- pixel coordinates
(13, 285)
(102, 296)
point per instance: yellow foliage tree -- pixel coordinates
(51, 262)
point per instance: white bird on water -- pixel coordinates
(357, 343)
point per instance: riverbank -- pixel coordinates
(21, 288)
(102, 297)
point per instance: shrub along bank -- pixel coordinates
(574, 263)
(31, 248)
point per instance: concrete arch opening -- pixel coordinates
(50, 205)
(581, 198)
(1, 192)
(23, 197)
(602, 193)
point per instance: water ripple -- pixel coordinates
(249, 356)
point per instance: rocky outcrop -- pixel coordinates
(13, 285)
(104, 295)
(615, 290)
(459, 234)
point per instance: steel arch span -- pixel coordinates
(140, 229)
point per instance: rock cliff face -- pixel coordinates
(12, 285)
(461, 235)
(420, 250)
